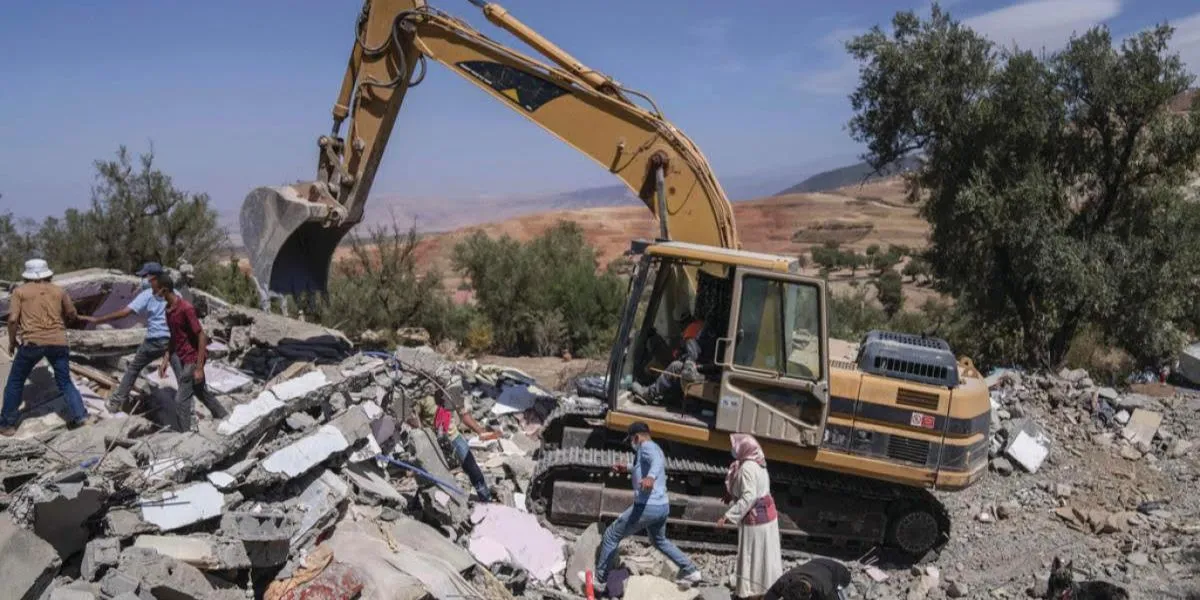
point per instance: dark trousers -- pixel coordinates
(149, 351)
(28, 356)
(185, 397)
(668, 380)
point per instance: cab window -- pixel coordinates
(779, 327)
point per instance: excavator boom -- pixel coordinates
(291, 232)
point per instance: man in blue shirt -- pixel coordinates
(649, 511)
(154, 309)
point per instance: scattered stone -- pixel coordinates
(1008, 509)
(1001, 466)
(1062, 490)
(1179, 448)
(1130, 453)
(1138, 559)
(957, 589)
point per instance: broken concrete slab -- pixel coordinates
(370, 484)
(182, 507)
(201, 551)
(319, 506)
(529, 545)
(400, 572)
(117, 584)
(1142, 426)
(98, 556)
(416, 534)
(262, 525)
(163, 576)
(583, 555)
(67, 593)
(60, 511)
(29, 563)
(304, 454)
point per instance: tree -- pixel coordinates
(1052, 183)
(915, 268)
(872, 250)
(543, 296)
(380, 287)
(802, 261)
(227, 281)
(890, 292)
(827, 259)
(852, 260)
(884, 261)
(899, 250)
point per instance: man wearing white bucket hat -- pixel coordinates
(38, 313)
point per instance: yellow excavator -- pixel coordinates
(855, 439)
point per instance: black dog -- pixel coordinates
(1062, 586)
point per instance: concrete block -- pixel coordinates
(163, 576)
(1142, 426)
(117, 583)
(124, 523)
(27, 563)
(258, 525)
(98, 555)
(209, 552)
(183, 507)
(370, 484)
(1029, 446)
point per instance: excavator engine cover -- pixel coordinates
(288, 239)
(909, 357)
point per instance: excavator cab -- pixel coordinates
(763, 360)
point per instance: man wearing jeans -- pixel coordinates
(649, 511)
(154, 309)
(439, 414)
(186, 353)
(39, 311)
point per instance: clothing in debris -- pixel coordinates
(817, 579)
(748, 485)
(649, 513)
(39, 312)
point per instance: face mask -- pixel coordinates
(144, 285)
(634, 445)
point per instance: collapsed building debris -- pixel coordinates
(316, 486)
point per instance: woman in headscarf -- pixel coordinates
(752, 509)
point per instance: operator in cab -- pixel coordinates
(684, 364)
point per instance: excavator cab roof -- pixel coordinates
(713, 254)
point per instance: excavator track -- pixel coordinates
(820, 512)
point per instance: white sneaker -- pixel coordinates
(690, 579)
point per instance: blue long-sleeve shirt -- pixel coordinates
(649, 461)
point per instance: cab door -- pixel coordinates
(775, 376)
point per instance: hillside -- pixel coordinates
(848, 176)
(792, 224)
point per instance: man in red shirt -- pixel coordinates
(186, 353)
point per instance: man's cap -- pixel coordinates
(150, 268)
(635, 428)
(36, 269)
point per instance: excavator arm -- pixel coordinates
(291, 232)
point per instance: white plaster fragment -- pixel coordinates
(245, 414)
(183, 507)
(307, 452)
(299, 386)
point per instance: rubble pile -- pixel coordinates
(314, 486)
(1104, 477)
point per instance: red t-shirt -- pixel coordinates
(185, 331)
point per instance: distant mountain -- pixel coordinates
(845, 176)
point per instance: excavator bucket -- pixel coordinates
(288, 239)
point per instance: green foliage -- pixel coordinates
(890, 292)
(883, 262)
(827, 257)
(136, 215)
(544, 296)
(916, 268)
(899, 250)
(227, 281)
(872, 250)
(379, 287)
(802, 261)
(1052, 183)
(852, 315)
(852, 260)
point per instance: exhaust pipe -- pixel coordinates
(289, 238)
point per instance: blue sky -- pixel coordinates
(233, 94)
